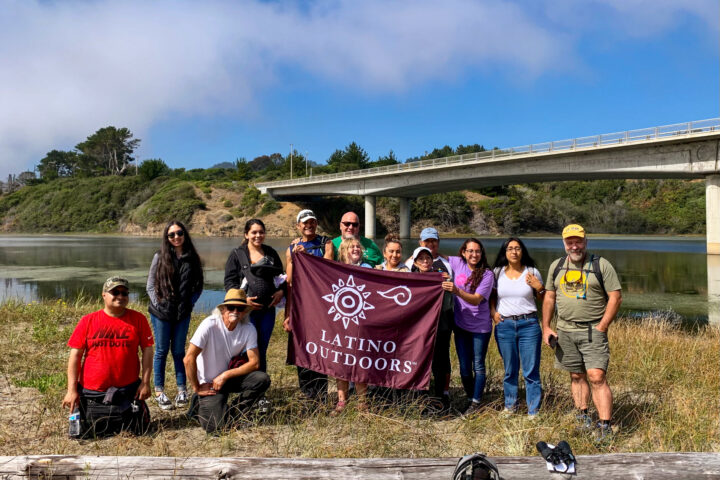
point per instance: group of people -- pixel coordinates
(228, 351)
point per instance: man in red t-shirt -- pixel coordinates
(106, 384)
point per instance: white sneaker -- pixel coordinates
(163, 401)
(181, 399)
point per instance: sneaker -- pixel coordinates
(584, 422)
(472, 409)
(181, 399)
(507, 412)
(163, 401)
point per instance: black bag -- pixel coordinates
(113, 411)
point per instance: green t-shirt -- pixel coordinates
(373, 255)
(578, 294)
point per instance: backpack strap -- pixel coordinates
(558, 267)
(595, 262)
(243, 259)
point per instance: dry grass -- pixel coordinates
(665, 381)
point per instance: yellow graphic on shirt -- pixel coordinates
(573, 284)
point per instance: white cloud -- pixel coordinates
(70, 67)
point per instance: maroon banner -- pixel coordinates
(364, 325)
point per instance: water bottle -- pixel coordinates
(74, 423)
(264, 406)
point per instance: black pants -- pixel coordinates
(313, 384)
(441, 360)
(213, 410)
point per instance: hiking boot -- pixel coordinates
(584, 422)
(181, 399)
(163, 401)
(604, 433)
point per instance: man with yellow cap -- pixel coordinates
(584, 290)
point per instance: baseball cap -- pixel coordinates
(113, 282)
(428, 233)
(305, 215)
(419, 250)
(573, 230)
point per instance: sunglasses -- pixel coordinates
(235, 308)
(178, 234)
(351, 224)
(119, 293)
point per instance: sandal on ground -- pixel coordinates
(338, 408)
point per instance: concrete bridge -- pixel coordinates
(686, 150)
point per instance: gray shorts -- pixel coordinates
(578, 351)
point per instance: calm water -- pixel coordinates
(657, 273)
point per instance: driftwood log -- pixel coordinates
(607, 467)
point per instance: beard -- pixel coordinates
(576, 256)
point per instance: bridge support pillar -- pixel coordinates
(404, 217)
(712, 213)
(369, 216)
(713, 274)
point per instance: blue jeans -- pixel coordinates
(471, 351)
(264, 321)
(519, 341)
(171, 337)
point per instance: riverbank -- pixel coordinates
(664, 380)
(220, 207)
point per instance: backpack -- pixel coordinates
(595, 265)
(475, 466)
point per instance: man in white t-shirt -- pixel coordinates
(222, 359)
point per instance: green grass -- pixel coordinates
(664, 381)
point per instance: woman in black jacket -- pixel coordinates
(253, 266)
(174, 284)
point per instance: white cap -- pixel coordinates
(305, 215)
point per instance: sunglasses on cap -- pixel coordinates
(351, 224)
(178, 234)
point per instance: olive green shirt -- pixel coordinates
(578, 294)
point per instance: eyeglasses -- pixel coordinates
(119, 293)
(471, 252)
(514, 249)
(235, 308)
(178, 234)
(351, 224)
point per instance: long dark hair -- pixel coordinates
(249, 224)
(525, 259)
(482, 265)
(166, 265)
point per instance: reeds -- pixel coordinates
(664, 379)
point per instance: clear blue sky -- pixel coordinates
(206, 82)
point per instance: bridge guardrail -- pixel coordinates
(603, 140)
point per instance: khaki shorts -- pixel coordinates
(577, 353)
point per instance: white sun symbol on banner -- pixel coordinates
(348, 301)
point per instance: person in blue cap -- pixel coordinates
(441, 366)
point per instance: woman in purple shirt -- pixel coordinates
(471, 286)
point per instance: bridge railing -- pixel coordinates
(603, 140)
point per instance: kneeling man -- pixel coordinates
(212, 360)
(105, 387)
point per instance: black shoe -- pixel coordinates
(565, 452)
